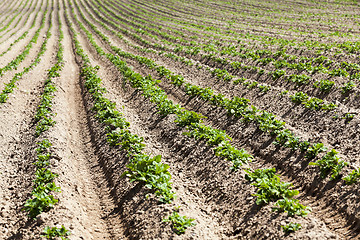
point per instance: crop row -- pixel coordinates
(217, 47)
(42, 199)
(217, 139)
(239, 108)
(15, 62)
(10, 9)
(310, 103)
(328, 164)
(27, 19)
(6, 12)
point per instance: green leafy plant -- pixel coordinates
(324, 85)
(213, 136)
(236, 156)
(348, 116)
(219, 100)
(339, 72)
(299, 97)
(239, 80)
(304, 146)
(264, 88)
(277, 74)
(179, 223)
(353, 177)
(154, 173)
(291, 227)
(186, 118)
(269, 185)
(282, 137)
(203, 93)
(236, 106)
(43, 125)
(177, 80)
(314, 103)
(40, 202)
(167, 107)
(330, 164)
(54, 232)
(299, 79)
(314, 150)
(268, 123)
(347, 87)
(252, 84)
(292, 207)
(329, 106)
(283, 92)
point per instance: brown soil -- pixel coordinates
(95, 202)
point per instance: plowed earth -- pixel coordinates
(95, 201)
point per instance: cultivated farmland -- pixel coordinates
(179, 119)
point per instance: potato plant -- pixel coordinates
(330, 164)
(55, 232)
(291, 227)
(179, 223)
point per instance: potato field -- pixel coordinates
(174, 119)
